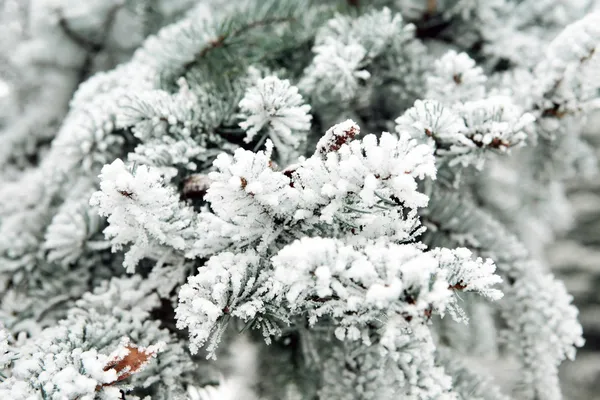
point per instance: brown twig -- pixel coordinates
(91, 48)
(82, 42)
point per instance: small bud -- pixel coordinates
(337, 136)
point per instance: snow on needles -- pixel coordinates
(370, 184)
(141, 211)
(276, 105)
(349, 185)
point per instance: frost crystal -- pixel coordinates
(141, 211)
(223, 288)
(276, 105)
(463, 132)
(351, 186)
(431, 121)
(455, 78)
(495, 122)
(337, 68)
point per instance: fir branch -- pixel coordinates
(327, 257)
(532, 339)
(240, 25)
(221, 40)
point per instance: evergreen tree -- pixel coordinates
(287, 199)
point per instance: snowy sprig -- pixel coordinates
(155, 113)
(413, 352)
(543, 327)
(317, 277)
(355, 285)
(248, 197)
(574, 46)
(71, 227)
(375, 30)
(566, 78)
(166, 154)
(227, 286)
(544, 330)
(495, 122)
(362, 172)
(129, 292)
(336, 71)
(172, 132)
(6, 354)
(275, 105)
(465, 274)
(369, 185)
(106, 343)
(345, 47)
(60, 380)
(87, 137)
(457, 118)
(141, 211)
(455, 78)
(401, 363)
(61, 363)
(459, 268)
(463, 132)
(432, 122)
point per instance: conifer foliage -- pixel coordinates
(289, 199)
